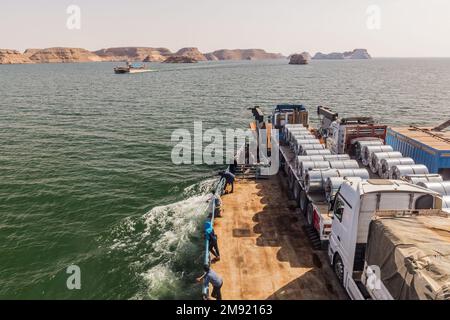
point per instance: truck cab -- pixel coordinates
(342, 134)
(353, 209)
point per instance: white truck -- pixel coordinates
(354, 208)
(342, 134)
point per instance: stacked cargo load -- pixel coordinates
(441, 187)
(413, 256)
(386, 165)
(400, 171)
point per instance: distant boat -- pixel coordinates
(132, 68)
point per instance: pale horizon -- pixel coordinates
(404, 28)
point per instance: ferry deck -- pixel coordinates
(265, 251)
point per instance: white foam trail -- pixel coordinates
(171, 236)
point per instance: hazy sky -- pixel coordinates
(407, 28)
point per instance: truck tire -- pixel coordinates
(310, 215)
(338, 267)
(303, 202)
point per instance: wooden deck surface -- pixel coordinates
(264, 252)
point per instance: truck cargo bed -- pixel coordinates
(413, 254)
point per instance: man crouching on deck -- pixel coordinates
(211, 277)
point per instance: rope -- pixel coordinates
(218, 191)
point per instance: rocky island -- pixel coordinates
(355, 54)
(301, 58)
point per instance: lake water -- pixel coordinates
(85, 160)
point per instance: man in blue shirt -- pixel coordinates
(211, 277)
(212, 238)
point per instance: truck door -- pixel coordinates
(342, 224)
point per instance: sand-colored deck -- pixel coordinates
(265, 253)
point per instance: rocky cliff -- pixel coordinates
(239, 54)
(30, 52)
(211, 57)
(62, 55)
(180, 59)
(8, 56)
(328, 56)
(193, 53)
(134, 54)
(355, 54)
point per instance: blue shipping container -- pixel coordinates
(424, 147)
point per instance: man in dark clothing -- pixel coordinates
(229, 179)
(233, 167)
(211, 277)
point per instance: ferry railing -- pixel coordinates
(218, 191)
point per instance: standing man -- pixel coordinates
(211, 277)
(229, 179)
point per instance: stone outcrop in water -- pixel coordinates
(134, 54)
(8, 56)
(63, 55)
(355, 54)
(243, 54)
(301, 58)
(191, 52)
(180, 59)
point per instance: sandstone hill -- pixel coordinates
(62, 55)
(134, 54)
(191, 52)
(242, 54)
(8, 56)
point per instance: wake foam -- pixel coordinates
(166, 245)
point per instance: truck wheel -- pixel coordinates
(338, 267)
(303, 202)
(310, 215)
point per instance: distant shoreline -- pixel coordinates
(205, 62)
(150, 54)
